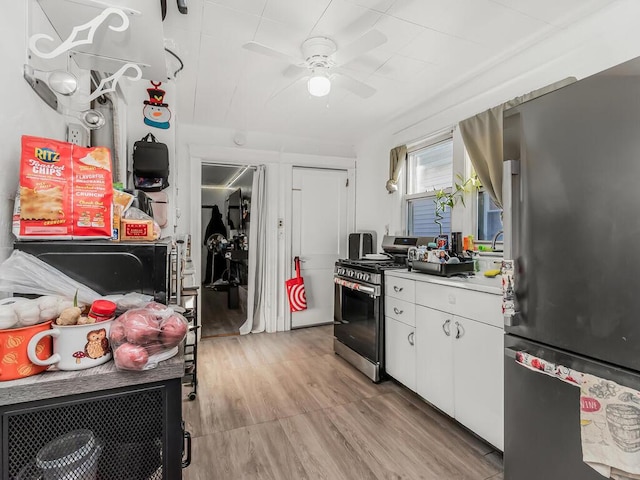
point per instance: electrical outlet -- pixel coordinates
(77, 135)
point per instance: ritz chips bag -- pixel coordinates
(65, 191)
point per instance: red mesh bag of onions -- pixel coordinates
(142, 337)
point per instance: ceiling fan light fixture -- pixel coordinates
(319, 84)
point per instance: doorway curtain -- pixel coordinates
(256, 297)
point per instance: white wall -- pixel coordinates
(598, 42)
(135, 93)
(23, 113)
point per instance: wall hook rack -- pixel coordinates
(86, 30)
(110, 83)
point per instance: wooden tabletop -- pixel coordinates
(60, 384)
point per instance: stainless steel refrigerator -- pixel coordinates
(572, 211)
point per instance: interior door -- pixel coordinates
(319, 237)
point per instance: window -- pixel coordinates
(489, 222)
(429, 169)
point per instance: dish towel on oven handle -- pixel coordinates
(609, 419)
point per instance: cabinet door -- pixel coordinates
(434, 352)
(400, 352)
(478, 374)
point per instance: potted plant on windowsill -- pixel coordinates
(450, 198)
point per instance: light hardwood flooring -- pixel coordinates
(217, 318)
(284, 406)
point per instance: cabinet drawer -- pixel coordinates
(400, 288)
(483, 307)
(480, 306)
(400, 310)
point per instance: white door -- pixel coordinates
(434, 350)
(319, 238)
(478, 375)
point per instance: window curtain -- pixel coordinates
(482, 136)
(256, 295)
(397, 156)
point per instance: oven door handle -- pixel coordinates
(356, 286)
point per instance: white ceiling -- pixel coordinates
(218, 176)
(431, 45)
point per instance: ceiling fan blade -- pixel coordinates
(369, 41)
(293, 71)
(271, 52)
(356, 87)
(276, 94)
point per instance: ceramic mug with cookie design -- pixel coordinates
(75, 347)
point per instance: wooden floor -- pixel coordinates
(284, 406)
(217, 318)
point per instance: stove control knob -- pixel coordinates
(366, 277)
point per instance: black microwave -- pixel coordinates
(109, 267)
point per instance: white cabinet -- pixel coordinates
(478, 378)
(399, 331)
(449, 349)
(400, 352)
(434, 351)
(459, 370)
(400, 288)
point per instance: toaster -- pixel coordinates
(361, 244)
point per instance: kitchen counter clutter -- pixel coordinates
(477, 283)
(54, 384)
(444, 340)
(135, 418)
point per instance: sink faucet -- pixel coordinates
(495, 239)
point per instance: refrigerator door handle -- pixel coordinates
(510, 168)
(510, 352)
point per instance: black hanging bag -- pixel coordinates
(150, 164)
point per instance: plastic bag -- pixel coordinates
(133, 300)
(24, 273)
(142, 337)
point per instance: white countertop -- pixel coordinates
(479, 282)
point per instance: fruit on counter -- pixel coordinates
(491, 273)
(69, 316)
(140, 327)
(173, 329)
(131, 357)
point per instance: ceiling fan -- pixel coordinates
(321, 62)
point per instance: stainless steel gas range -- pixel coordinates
(359, 305)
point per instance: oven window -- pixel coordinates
(359, 327)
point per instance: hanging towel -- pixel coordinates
(610, 428)
(539, 365)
